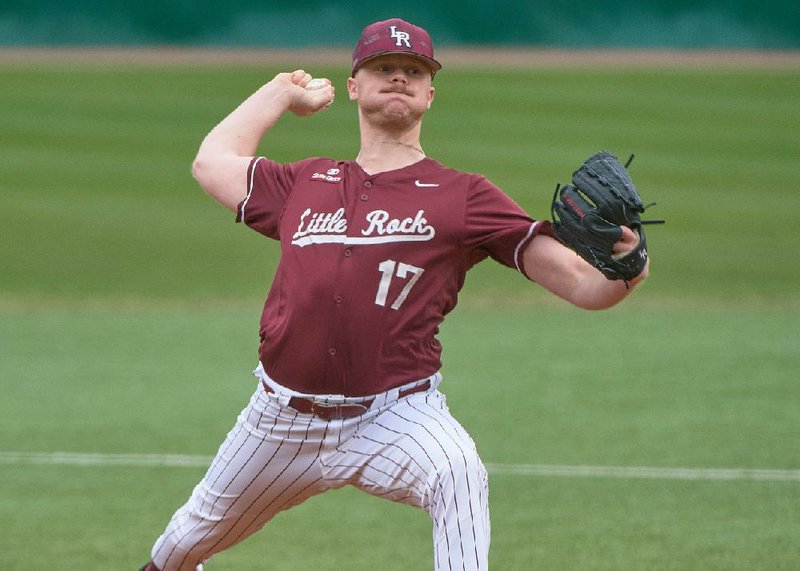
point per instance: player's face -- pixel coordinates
(394, 88)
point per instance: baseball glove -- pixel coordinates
(589, 213)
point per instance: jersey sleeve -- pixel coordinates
(269, 184)
(496, 226)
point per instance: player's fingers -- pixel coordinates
(629, 240)
(325, 98)
(309, 101)
(300, 77)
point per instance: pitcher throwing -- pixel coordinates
(373, 253)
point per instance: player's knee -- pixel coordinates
(461, 474)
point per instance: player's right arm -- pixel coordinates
(220, 166)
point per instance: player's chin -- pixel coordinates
(394, 99)
(397, 115)
(401, 99)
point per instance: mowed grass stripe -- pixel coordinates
(624, 472)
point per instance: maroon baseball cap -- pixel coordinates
(394, 36)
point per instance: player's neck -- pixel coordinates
(381, 155)
(385, 149)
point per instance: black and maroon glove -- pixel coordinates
(588, 216)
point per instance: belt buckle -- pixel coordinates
(332, 411)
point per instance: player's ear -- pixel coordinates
(431, 95)
(352, 88)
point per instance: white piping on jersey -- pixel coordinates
(356, 240)
(519, 246)
(249, 189)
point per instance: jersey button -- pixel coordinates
(348, 252)
(364, 197)
(338, 299)
(332, 351)
(368, 184)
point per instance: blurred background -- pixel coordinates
(768, 24)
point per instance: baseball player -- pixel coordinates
(373, 253)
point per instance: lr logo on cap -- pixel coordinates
(401, 37)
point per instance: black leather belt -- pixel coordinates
(333, 411)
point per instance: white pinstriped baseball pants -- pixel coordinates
(408, 450)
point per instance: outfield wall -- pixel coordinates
(764, 24)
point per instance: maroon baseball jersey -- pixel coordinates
(370, 265)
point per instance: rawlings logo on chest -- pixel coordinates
(378, 227)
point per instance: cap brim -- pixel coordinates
(430, 62)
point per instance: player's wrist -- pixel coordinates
(277, 94)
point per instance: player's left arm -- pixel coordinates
(562, 272)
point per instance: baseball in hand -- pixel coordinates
(317, 83)
(320, 83)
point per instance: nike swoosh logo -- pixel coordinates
(425, 184)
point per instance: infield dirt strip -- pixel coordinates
(460, 57)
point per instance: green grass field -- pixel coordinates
(129, 308)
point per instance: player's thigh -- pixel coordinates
(410, 452)
(268, 462)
